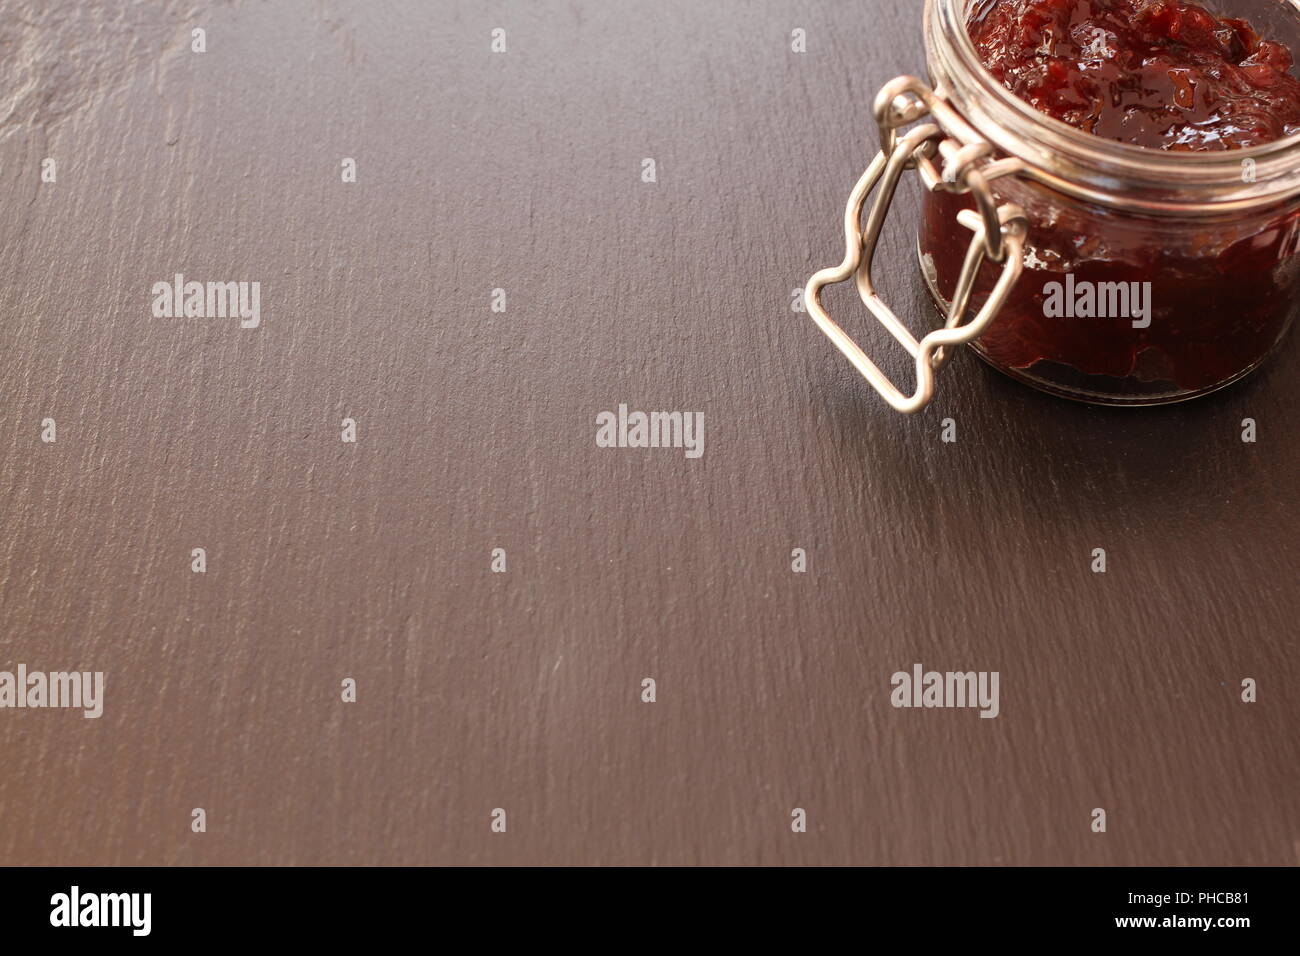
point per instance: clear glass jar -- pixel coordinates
(1144, 277)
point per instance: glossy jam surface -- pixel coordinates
(1164, 74)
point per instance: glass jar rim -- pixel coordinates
(1090, 167)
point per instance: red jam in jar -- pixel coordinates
(1119, 302)
(1163, 74)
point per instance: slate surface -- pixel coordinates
(522, 690)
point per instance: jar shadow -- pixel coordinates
(990, 442)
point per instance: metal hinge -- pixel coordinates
(998, 232)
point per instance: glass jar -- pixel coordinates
(1097, 270)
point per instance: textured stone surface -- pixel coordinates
(521, 691)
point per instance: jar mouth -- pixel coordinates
(1091, 167)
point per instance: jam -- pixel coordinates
(1217, 293)
(1163, 74)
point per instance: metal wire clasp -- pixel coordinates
(999, 231)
